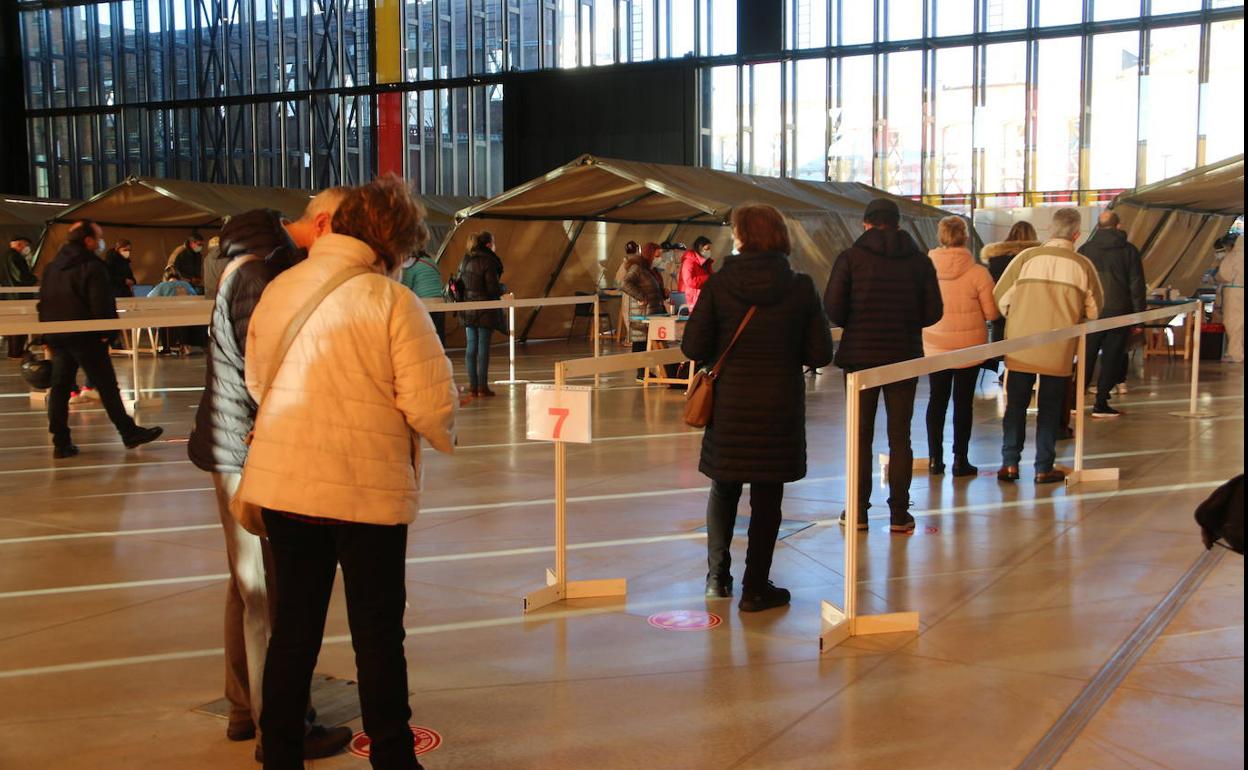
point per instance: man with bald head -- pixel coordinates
(1121, 271)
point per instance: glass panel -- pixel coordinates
(1115, 94)
(953, 104)
(1160, 7)
(493, 35)
(723, 27)
(682, 29)
(32, 50)
(767, 120)
(999, 122)
(429, 104)
(808, 27)
(856, 21)
(903, 123)
(810, 94)
(1116, 9)
(1058, 104)
(852, 120)
(952, 17)
(905, 19)
(1171, 96)
(1223, 106)
(1055, 12)
(721, 148)
(604, 33)
(1005, 14)
(530, 52)
(641, 30)
(567, 33)
(585, 33)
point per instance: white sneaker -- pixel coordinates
(89, 394)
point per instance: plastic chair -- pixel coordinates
(586, 311)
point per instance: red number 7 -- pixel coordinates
(562, 415)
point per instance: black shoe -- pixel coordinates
(1103, 411)
(142, 436)
(962, 467)
(241, 731)
(319, 742)
(935, 467)
(764, 598)
(63, 452)
(718, 586)
(902, 522)
(862, 521)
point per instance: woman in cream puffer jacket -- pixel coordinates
(966, 288)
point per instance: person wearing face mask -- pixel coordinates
(15, 271)
(120, 273)
(695, 270)
(188, 260)
(75, 287)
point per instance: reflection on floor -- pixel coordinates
(111, 583)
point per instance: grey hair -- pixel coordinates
(1066, 224)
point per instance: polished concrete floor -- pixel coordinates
(111, 593)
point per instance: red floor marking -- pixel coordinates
(684, 620)
(932, 530)
(426, 741)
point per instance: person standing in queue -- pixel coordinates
(1121, 271)
(335, 460)
(966, 291)
(120, 272)
(695, 270)
(883, 292)
(1230, 278)
(15, 271)
(75, 287)
(643, 286)
(1045, 288)
(757, 432)
(421, 275)
(481, 272)
(997, 256)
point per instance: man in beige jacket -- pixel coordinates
(1046, 287)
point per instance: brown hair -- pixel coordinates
(760, 227)
(1022, 231)
(952, 232)
(385, 216)
(650, 251)
(480, 240)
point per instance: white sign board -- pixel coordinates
(662, 329)
(558, 415)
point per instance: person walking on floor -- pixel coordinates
(643, 286)
(883, 292)
(482, 273)
(966, 291)
(75, 287)
(256, 248)
(1121, 272)
(757, 432)
(1231, 288)
(15, 271)
(1045, 288)
(422, 276)
(335, 459)
(695, 270)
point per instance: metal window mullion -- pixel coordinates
(1030, 108)
(338, 82)
(1084, 183)
(1202, 94)
(1142, 103)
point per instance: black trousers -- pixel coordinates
(305, 557)
(899, 406)
(960, 383)
(721, 517)
(439, 325)
(17, 345)
(1112, 345)
(92, 357)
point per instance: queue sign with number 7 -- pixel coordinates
(558, 415)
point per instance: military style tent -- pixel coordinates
(21, 215)
(565, 232)
(441, 210)
(1175, 222)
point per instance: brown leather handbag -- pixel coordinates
(701, 396)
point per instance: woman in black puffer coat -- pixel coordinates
(757, 433)
(481, 271)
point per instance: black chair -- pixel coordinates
(586, 311)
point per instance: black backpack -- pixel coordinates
(455, 289)
(1221, 515)
(36, 371)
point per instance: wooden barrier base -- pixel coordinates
(1194, 415)
(555, 592)
(837, 627)
(1091, 476)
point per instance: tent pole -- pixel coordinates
(554, 277)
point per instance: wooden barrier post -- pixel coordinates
(1193, 412)
(1080, 475)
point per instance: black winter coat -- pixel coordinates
(227, 412)
(1121, 271)
(119, 271)
(883, 291)
(482, 272)
(75, 287)
(758, 423)
(15, 270)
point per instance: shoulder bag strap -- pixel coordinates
(740, 328)
(301, 317)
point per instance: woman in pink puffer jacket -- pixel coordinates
(966, 288)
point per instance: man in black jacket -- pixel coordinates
(76, 288)
(883, 291)
(188, 260)
(1121, 271)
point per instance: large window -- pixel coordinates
(1114, 82)
(1058, 107)
(1222, 111)
(950, 171)
(1170, 105)
(901, 140)
(852, 141)
(1001, 117)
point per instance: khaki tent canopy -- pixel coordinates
(565, 232)
(1176, 221)
(440, 219)
(156, 215)
(20, 215)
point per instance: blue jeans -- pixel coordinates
(477, 355)
(1048, 421)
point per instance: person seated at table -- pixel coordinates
(643, 285)
(173, 339)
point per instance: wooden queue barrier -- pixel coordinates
(841, 623)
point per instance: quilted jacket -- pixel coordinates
(966, 290)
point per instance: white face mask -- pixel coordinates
(197, 249)
(100, 247)
(26, 251)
